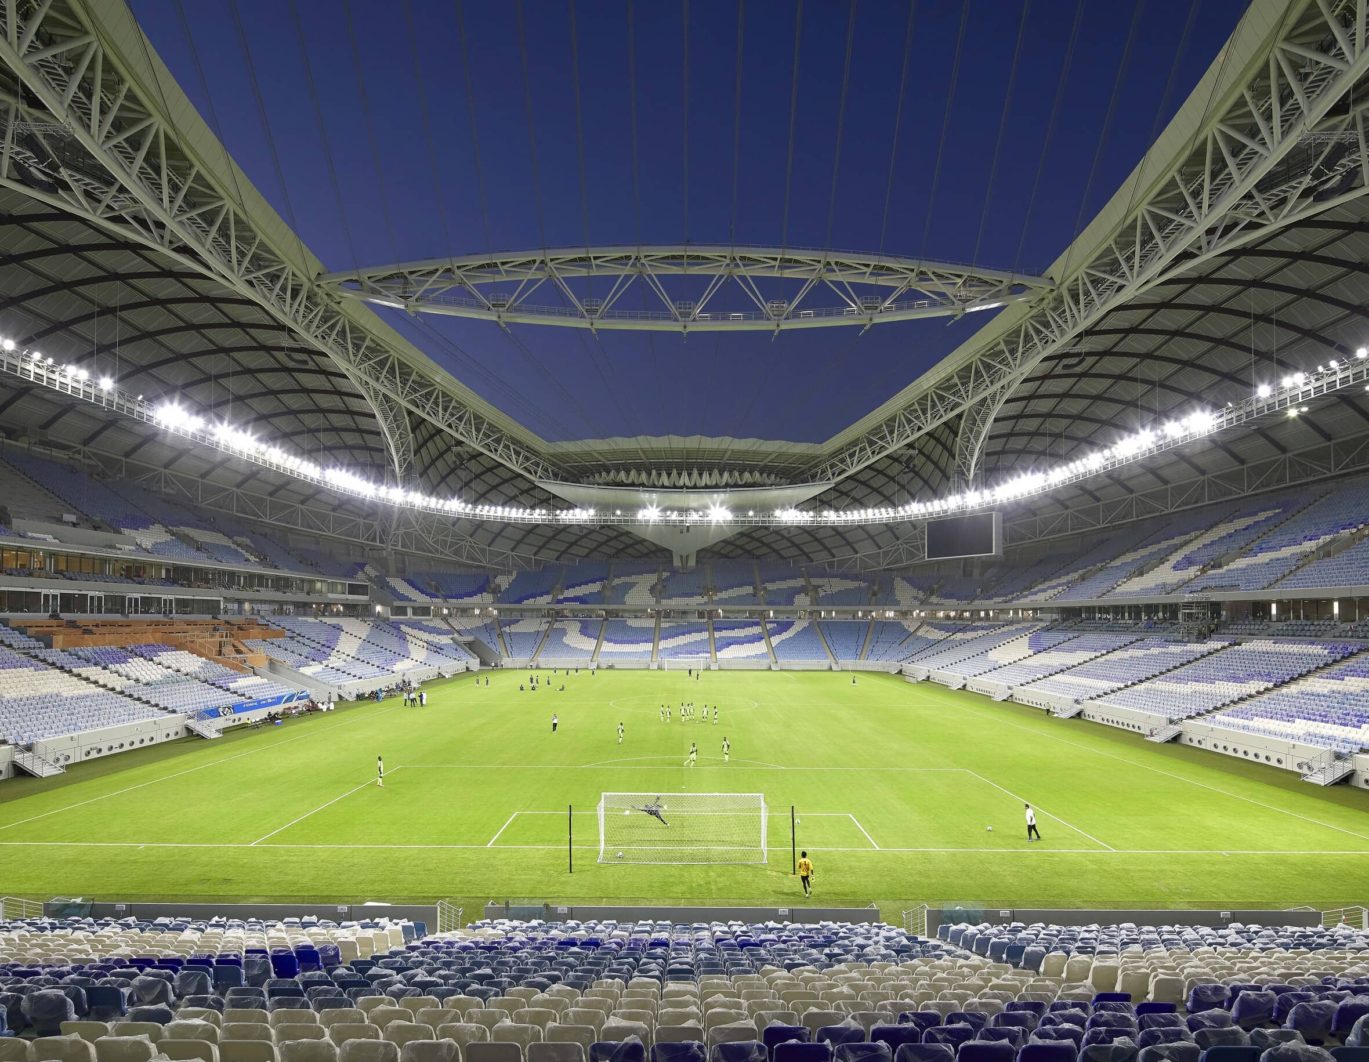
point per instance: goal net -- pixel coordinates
(682, 828)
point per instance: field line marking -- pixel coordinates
(863, 830)
(590, 846)
(1057, 818)
(1182, 778)
(501, 829)
(316, 810)
(178, 774)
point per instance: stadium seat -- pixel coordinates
(189, 1050)
(124, 1049)
(1231, 1053)
(678, 1051)
(862, 1051)
(61, 1049)
(86, 1030)
(1048, 1051)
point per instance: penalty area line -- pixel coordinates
(315, 811)
(863, 830)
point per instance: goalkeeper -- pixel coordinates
(654, 809)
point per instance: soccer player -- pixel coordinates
(693, 752)
(554, 722)
(727, 749)
(715, 713)
(663, 713)
(380, 772)
(1033, 834)
(806, 873)
(654, 809)
(620, 733)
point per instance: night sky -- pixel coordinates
(406, 129)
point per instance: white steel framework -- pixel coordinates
(686, 288)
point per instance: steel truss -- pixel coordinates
(1281, 149)
(99, 148)
(807, 289)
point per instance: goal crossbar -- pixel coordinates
(682, 828)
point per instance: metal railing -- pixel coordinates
(15, 907)
(915, 920)
(449, 917)
(1354, 917)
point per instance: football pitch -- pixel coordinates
(894, 786)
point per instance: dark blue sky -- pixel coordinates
(381, 136)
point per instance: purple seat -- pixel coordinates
(1070, 1016)
(840, 1034)
(863, 1051)
(1007, 1034)
(1160, 1021)
(896, 1035)
(1209, 1019)
(1048, 1051)
(1348, 1015)
(1251, 1009)
(1151, 1037)
(800, 1052)
(1313, 1020)
(1230, 1053)
(1185, 1052)
(975, 1019)
(774, 1035)
(741, 1051)
(1071, 1034)
(923, 1052)
(1015, 1019)
(1284, 1002)
(986, 1051)
(951, 1035)
(923, 1019)
(1206, 997)
(1228, 1037)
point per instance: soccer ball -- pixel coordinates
(627, 811)
(620, 855)
(989, 828)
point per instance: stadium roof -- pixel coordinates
(1230, 256)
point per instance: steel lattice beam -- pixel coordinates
(1281, 149)
(806, 289)
(101, 151)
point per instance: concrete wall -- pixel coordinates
(92, 744)
(6, 761)
(556, 912)
(938, 916)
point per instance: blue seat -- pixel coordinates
(975, 1019)
(774, 1035)
(1160, 1020)
(1156, 1008)
(1112, 997)
(1015, 1019)
(741, 1051)
(1151, 1037)
(923, 1019)
(1068, 1016)
(1187, 1052)
(1048, 1051)
(1012, 1035)
(683, 1051)
(790, 1051)
(863, 1051)
(951, 1035)
(1029, 1006)
(1252, 1008)
(159, 1013)
(106, 1002)
(1209, 1019)
(1206, 997)
(1228, 1037)
(46, 1009)
(986, 1051)
(896, 1035)
(1348, 1013)
(1230, 1053)
(1313, 1020)
(840, 1034)
(1350, 1054)
(923, 1052)
(1124, 1050)
(1358, 1035)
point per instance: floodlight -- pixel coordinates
(7, 344)
(106, 383)
(1362, 353)
(1264, 390)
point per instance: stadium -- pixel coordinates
(712, 532)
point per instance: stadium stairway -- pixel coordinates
(31, 762)
(205, 728)
(712, 645)
(769, 648)
(826, 646)
(599, 642)
(656, 630)
(541, 643)
(865, 642)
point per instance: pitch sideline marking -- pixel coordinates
(330, 803)
(1181, 778)
(178, 774)
(1057, 818)
(1300, 852)
(863, 830)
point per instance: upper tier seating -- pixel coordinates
(470, 588)
(532, 587)
(782, 585)
(1057, 656)
(633, 583)
(685, 588)
(895, 641)
(583, 583)
(970, 641)
(734, 582)
(1230, 674)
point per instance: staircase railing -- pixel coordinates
(16, 907)
(1354, 917)
(915, 920)
(449, 917)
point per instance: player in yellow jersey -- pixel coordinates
(806, 873)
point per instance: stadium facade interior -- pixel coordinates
(1112, 503)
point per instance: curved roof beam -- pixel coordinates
(744, 289)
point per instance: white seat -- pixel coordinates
(430, 1051)
(545, 1052)
(489, 1051)
(368, 1051)
(61, 1049)
(343, 1031)
(124, 1049)
(188, 1050)
(247, 1051)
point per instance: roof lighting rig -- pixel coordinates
(1289, 395)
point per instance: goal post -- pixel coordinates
(682, 828)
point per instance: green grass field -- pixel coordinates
(893, 783)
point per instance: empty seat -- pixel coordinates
(366, 1051)
(542, 1051)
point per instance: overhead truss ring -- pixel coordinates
(687, 288)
